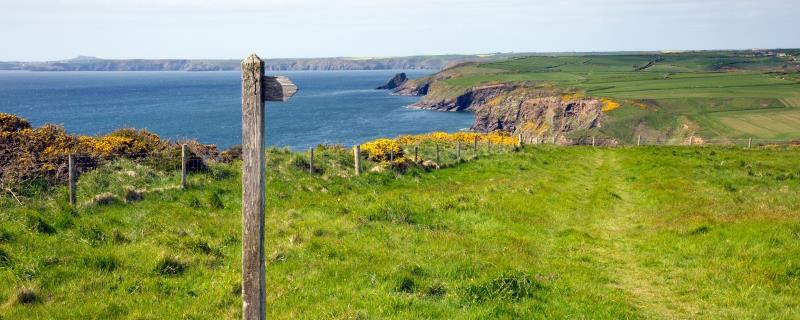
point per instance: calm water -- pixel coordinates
(332, 106)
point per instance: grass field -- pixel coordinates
(579, 232)
(694, 89)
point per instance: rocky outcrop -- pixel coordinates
(398, 80)
(534, 112)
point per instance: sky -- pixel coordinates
(46, 30)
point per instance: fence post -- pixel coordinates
(458, 150)
(357, 159)
(311, 160)
(416, 153)
(691, 139)
(72, 188)
(475, 145)
(519, 140)
(639, 140)
(749, 142)
(437, 153)
(391, 159)
(183, 166)
(554, 138)
(253, 193)
(592, 141)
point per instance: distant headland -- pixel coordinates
(433, 62)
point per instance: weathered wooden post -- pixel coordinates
(357, 159)
(519, 140)
(183, 166)
(256, 88)
(416, 153)
(72, 175)
(554, 138)
(691, 139)
(749, 142)
(592, 141)
(391, 159)
(311, 160)
(475, 146)
(437, 153)
(639, 140)
(458, 150)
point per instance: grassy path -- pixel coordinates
(654, 233)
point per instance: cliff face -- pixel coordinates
(535, 112)
(398, 80)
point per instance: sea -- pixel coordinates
(332, 107)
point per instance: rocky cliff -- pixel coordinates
(535, 112)
(398, 80)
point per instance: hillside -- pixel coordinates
(298, 64)
(663, 97)
(545, 232)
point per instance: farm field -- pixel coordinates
(545, 232)
(687, 90)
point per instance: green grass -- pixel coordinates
(671, 232)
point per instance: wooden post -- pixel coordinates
(691, 139)
(519, 140)
(437, 153)
(475, 145)
(391, 159)
(256, 88)
(554, 138)
(72, 175)
(416, 153)
(458, 150)
(639, 140)
(592, 141)
(311, 160)
(183, 166)
(357, 159)
(749, 142)
(253, 190)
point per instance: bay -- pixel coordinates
(332, 107)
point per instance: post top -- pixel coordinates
(252, 58)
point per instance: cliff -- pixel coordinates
(535, 112)
(398, 80)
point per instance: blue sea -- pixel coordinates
(332, 107)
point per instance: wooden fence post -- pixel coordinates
(416, 153)
(691, 139)
(72, 175)
(749, 142)
(311, 160)
(592, 141)
(183, 166)
(475, 145)
(458, 150)
(437, 153)
(519, 140)
(391, 159)
(256, 88)
(357, 159)
(554, 138)
(639, 140)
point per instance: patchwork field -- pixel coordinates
(691, 90)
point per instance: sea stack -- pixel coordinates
(398, 80)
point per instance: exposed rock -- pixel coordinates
(429, 165)
(398, 80)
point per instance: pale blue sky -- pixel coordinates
(58, 29)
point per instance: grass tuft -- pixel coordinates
(170, 266)
(508, 287)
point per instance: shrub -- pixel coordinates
(382, 149)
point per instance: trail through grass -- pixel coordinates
(671, 232)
